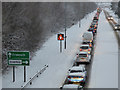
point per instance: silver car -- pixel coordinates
(83, 57)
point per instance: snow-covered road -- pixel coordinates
(104, 73)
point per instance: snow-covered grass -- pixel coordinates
(59, 63)
(104, 72)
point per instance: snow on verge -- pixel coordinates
(59, 63)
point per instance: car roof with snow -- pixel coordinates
(70, 86)
(82, 52)
(84, 45)
(77, 68)
(77, 74)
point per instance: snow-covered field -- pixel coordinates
(59, 63)
(104, 73)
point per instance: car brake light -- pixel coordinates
(69, 77)
(80, 49)
(81, 77)
(90, 45)
(88, 49)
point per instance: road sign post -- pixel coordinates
(13, 73)
(24, 73)
(16, 58)
(60, 45)
(60, 38)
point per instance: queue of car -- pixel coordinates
(77, 75)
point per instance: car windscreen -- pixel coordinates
(82, 55)
(84, 47)
(117, 25)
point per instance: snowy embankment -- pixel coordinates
(114, 16)
(59, 63)
(104, 73)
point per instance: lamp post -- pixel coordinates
(65, 27)
(79, 17)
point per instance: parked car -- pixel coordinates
(83, 57)
(85, 48)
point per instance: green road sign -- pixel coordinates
(18, 58)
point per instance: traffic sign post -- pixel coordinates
(24, 73)
(16, 58)
(13, 73)
(60, 38)
(60, 45)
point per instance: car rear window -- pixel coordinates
(73, 71)
(86, 42)
(84, 47)
(82, 55)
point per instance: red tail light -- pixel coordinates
(69, 77)
(80, 49)
(81, 77)
(90, 45)
(88, 49)
(87, 55)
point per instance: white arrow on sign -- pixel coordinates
(9, 55)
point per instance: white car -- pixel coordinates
(87, 36)
(85, 48)
(83, 57)
(78, 69)
(71, 87)
(76, 78)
